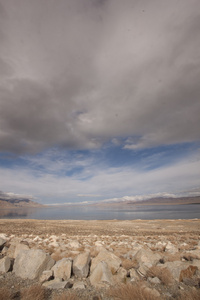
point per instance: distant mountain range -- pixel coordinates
(154, 201)
(14, 203)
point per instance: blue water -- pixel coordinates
(149, 212)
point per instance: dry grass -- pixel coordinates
(132, 292)
(129, 264)
(34, 292)
(57, 256)
(70, 296)
(172, 257)
(5, 294)
(162, 273)
(188, 273)
(193, 294)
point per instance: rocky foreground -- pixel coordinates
(157, 259)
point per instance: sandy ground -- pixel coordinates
(93, 227)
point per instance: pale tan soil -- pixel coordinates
(93, 227)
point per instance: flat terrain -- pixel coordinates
(93, 227)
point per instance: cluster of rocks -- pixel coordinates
(22, 257)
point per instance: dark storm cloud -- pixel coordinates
(79, 73)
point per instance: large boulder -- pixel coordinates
(111, 259)
(147, 257)
(5, 264)
(31, 263)
(81, 265)
(63, 268)
(19, 247)
(101, 275)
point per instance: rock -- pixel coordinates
(175, 268)
(56, 284)
(143, 269)
(74, 244)
(63, 268)
(101, 275)
(133, 275)
(160, 245)
(4, 250)
(121, 275)
(81, 265)
(79, 285)
(4, 236)
(46, 276)
(31, 263)
(147, 257)
(5, 264)
(151, 292)
(154, 280)
(2, 243)
(130, 254)
(111, 259)
(196, 262)
(171, 248)
(13, 243)
(20, 247)
(194, 253)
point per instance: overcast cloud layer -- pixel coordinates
(84, 74)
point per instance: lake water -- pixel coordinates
(148, 212)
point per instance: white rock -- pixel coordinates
(171, 248)
(147, 257)
(74, 244)
(101, 275)
(121, 275)
(5, 264)
(31, 263)
(62, 269)
(79, 285)
(111, 259)
(81, 265)
(20, 247)
(56, 284)
(154, 280)
(46, 276)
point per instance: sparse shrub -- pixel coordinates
(34, 292)
(69, 296)
(172, 257)
(132, 292)
(193, 294)
(162, 273)
(188, 273)
(5, 294)
(129, 264)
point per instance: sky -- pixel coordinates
(99, 99)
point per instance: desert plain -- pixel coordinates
(158, 258)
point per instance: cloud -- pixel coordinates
(89, 195)
(77, 74)
(13, 196)
(51, 178)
